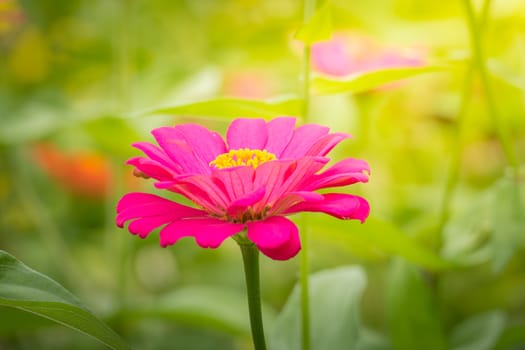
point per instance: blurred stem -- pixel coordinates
(49, 232)
(455, 163)
(250, 258)
(479, 62)
(309, 8)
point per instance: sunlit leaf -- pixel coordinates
(375, 238)
(366, 81)
(334, 305)
(231, 108)
(31, 291)
(218, 308)
(480, 332)
(318, 27)
(413, 317)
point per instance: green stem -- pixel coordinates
(479, 62)
(309, 8)
(250, 257)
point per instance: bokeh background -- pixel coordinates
(442, 251)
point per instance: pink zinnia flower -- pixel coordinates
(264, 172)
(351, 53)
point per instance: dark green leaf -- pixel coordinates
(334, 305)
(413, 317)
(366, 81)
(31, 291)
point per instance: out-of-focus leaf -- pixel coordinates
(113, 135)
(508, 217)
(480, 332)
(15, 320)
(334, 305)
(377, 237)
(231, 108)
(413, 317)
(370, 340)
(203, 306)
(513, 338)
(31, 291)
(318, 27)
(366, 81)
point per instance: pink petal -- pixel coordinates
(276, 237)
(343, 173)
(342, 206)
(280, 132)
(208, 232)
(242, 204)
(331, 57)
(158, 155)
(247, 133)
(147, 212)
(151, 168)
(237, 182)
(180, 151)
(290, 199)
(206, 144)
(303, 139)
(326, 144)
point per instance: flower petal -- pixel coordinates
(208, 232)
(276, 237)
(326, 144)
(240, 205)
(247, 133)
(151, 168)
(148, 211)
(342, 206)
(346, 172)
(280, 132)
(303, 139)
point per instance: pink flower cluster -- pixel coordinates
(247, 184)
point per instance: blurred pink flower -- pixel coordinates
(248, 84)
(264, 172)
(347, 54)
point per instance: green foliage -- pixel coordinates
(362, 82)
(231, 108)
(29, 290)
(480, 332)
(318, 27)
(413, 316)
(334, 303)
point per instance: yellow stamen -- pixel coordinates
(244, 156)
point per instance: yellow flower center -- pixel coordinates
(244, 156)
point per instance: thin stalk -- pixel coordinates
(455, 163)
(479, 61)
(309, 8)
(250, 258)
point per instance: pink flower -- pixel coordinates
(264, 172)
(352, 53)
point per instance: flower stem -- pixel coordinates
(479, 62)
(250, 257)
(309, 8)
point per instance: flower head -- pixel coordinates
(351, 53)
(262, 172)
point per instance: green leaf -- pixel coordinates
(377, 237)
(480, 332)
(208, 306)
(513, 337)
(413, 317)
(31, 291)
(366, 81)
(334, 309)
(508, 220)
(103, 131)
(231, 108)
(318, 27)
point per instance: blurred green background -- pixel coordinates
(442, 251)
